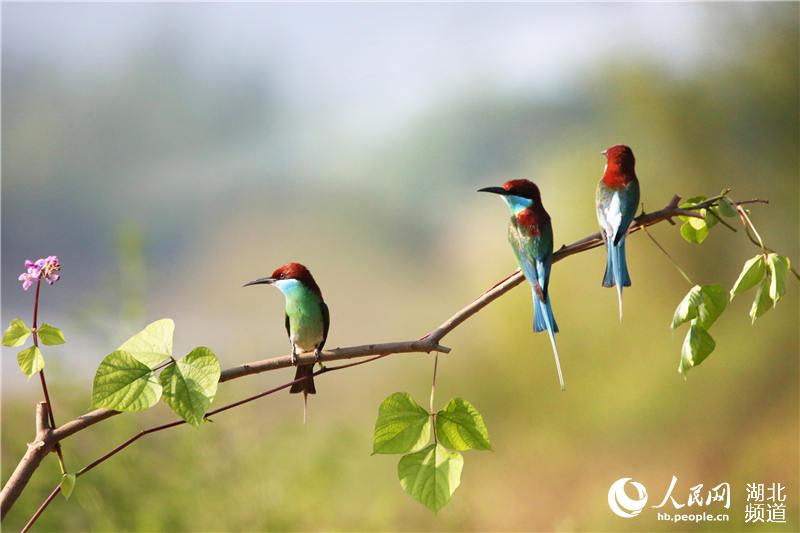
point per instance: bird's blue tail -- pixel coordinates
(617, 269)
(539, 311)
(616, 266)
(543, 320)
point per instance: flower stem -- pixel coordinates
(42, 379)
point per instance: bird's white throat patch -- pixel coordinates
(288, 286)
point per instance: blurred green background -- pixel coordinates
(169, 153)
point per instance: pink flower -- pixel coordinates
(45, 268)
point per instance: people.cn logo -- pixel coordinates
(621, 504)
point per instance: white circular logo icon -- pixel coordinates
(621, 504)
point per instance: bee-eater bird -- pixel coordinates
(616, 200)
(531, 236)
(307, 319)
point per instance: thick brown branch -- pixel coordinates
(426, 344)
(37, 450)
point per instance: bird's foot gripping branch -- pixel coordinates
(143, 369)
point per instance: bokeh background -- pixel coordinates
(169, 153)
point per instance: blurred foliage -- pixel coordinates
(201, 165)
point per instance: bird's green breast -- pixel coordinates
(534, 242)
(304, 310)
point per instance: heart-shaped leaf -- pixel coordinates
(50, 335)
(431, 475)
(459, 426)
(16, 333)
(124, 383)
(30, 361)
(402, 425)
(191, 384)
(152, 345)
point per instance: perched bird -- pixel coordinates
(616, 200)
(531, 236)
(307, 319)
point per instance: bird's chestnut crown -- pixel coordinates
(524, 189)
(289, 271)
(620, 155)
(298, 272)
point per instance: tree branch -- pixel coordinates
(428, 343)
(37, 450)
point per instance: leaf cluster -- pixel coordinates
(429, 472)
(31, 360)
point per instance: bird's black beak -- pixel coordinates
(494, 190)
(260, 281)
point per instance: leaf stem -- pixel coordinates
(433, 392)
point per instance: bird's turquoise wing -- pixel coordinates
(629, 203)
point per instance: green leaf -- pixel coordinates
(762, 302)
(694, 200)
(695, 230)
(687, 309)
(711, 217)
(727, 208)
(778, 269)
(752, 272)
(68, 484)
(30, 361)
(459, 426)
(696, 347)
(153, 344)
(50, 335)
(191, 383)
(431, 476)
(714, 300)
(692, 234)
(16, 334)
(123, 383)
(402, 425)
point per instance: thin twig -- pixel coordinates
(674, 263)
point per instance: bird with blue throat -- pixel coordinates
(531, 236)
(307, 320)
(616, 200)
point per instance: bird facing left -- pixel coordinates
(307, 320)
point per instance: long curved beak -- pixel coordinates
(260, 281)
(494, 190)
